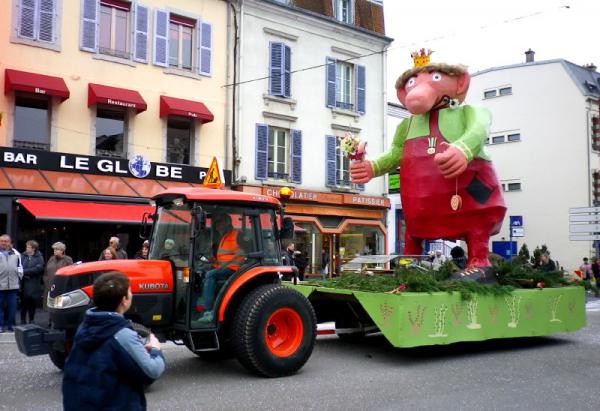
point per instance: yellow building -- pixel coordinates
(105, 101)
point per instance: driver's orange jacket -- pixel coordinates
(229, 252)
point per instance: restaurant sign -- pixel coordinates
(138, 166)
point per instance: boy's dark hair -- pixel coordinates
(109, 290)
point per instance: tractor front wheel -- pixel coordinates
(274, 331)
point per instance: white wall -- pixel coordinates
(315, 39)
(550, 161)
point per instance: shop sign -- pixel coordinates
(138, 166)
(299, 195)
(368, 201)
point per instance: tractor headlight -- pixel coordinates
(72, 299)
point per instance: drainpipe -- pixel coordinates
(232, 12)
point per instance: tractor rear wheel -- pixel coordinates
(274, 331)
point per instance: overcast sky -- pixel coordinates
(483, 34)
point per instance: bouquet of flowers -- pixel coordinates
(353, 147)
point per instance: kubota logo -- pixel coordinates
(153, 286)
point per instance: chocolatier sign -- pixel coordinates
(331, 198)
(138, 166)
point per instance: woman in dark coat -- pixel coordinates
(33, 269)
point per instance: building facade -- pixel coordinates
(307, 73)
(544, 145)
(104, 103)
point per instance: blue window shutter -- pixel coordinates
(161, 40)
(89, 26)
(330, 82)
(262, 149)
(296, 156)
(287, 70)
(331, 160)
(361, 83)
(275, 68)
(46, 20)
(140, 39)
(27, 19)
(205, 66)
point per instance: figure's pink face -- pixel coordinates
(426, 90)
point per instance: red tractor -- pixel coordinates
(269, 327)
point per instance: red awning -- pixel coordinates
(114, 96)
(35, 83)
(171, 106)
(85, 211)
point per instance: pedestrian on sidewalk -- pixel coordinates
(586, 269)
(114, 242)
(109, 365)
(33, 270)
(11, 273)
(57, 261)
(324, 264)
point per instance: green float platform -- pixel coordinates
(417, 319)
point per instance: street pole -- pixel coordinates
(510, 252)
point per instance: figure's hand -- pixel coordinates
(152, 343)
(451, 162)
(361, 171)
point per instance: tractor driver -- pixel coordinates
(228, 258)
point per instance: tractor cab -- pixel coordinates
(209, 244)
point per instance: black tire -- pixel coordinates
(251, 326)
(58, 358)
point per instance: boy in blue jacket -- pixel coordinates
(109, 364)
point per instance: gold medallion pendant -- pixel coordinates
(455, 202)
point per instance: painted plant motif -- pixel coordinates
(386, 311)
(456, 312)
(554, 302)
(493, 314)
(440, 321)
(472, 314)
(513, 302)
(416, 319)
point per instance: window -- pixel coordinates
(278, 154)
(36, 20)
(114, 35)
(490, 93)
(343, 11)
(499, 139)
(501, 91)
(180, 138)
(343, 85)
(595, 133)
(342, 166)
(279, 69)
(181, 35)
(111, 132)
(511, 186)
(32, 122)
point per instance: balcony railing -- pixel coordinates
(278, 176)
(344, 105)
(31, 144)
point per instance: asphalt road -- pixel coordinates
(551, 373)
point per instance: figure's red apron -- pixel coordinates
(426, 193)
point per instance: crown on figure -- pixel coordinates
(421, 57)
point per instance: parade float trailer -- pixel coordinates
(411, 319)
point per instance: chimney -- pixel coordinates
(591, 67)
(529, 56)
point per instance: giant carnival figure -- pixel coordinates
(448, 185)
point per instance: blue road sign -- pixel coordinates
(516, 221)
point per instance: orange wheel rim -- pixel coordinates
(284, 332)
